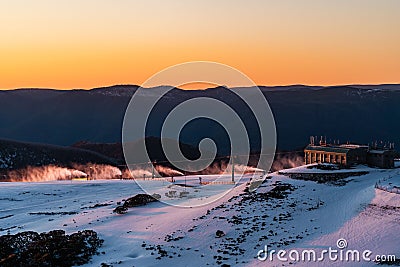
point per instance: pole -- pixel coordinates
(233, 170)
(152, 170)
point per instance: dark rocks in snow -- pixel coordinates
(193, 228)
(219, 233)
(260, 217)
(235, 220)
(54, 213)
(136, 201)
(140, 200)
(98, 205)
(389, 262)
(334, 178)
(120, 210)
(280, 191)
(169, 238)
(54, 248)
(159, 249)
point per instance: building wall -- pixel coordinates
(357, 156)
(384, 160)
(312, 156)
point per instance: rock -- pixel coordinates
(219, 234)
(140, 200)
(120, 210)
(136, 201)
(156, 196)
(54, 248)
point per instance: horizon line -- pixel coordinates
(136, 85)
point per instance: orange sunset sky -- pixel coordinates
(83, 44)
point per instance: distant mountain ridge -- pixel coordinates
(123, 87)
(17, 155)
(360, 113)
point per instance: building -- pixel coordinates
(349, 154)
(381, 158)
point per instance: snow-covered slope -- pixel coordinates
(284, 213)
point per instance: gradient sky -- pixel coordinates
(88, 43)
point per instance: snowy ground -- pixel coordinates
(309, 215)
(311, 169)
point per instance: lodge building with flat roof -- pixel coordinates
(349, 154)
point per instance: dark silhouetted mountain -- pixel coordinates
(153, 145)
(113, 150)
(360, 113)
(16, 155)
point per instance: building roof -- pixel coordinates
(332, 149)
(380, 151)
(354, 146)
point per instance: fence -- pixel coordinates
(388, 188)
(217, 182)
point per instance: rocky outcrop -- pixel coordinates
(54, 248)
(136, 201)
(323, 177)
